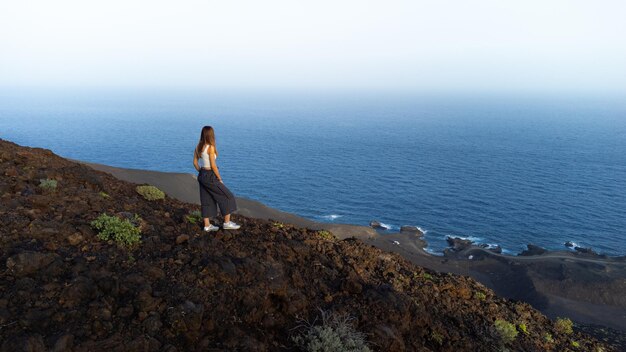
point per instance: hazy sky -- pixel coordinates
(529, 45)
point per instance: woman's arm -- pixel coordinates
(213, 164)
(195, 161)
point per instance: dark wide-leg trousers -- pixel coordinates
(213, 193)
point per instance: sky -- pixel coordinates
(438, 45)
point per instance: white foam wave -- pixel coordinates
(387, 226)
(331, 216)
(471, 238)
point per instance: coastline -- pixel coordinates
(585, 287)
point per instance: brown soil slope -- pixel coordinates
(61, 288)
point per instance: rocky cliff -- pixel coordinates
(64, 288)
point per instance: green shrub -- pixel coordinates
(194, 217)
(564, 326)
(575, 344)
(522, 327)
(548, 337)
(480, 296)
(48, 184)
(335, 334)
(326, 235)
(122, 231)
(506, 330)
(104, 195)
(150, 192)
(280, 225)
(427, 276)
(437, 337)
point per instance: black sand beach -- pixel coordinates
(587, 288)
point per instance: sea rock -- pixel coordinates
(569, 244)
(458, 244)
(411, 230)
(533, 250)
(495, 249)
(585, 250)
(27, 263)
(376, 224)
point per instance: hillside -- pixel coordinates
(63, 288)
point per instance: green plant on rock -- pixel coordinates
(104, 195)
(280, 225)
(335, 334)
(48, 184)
(548, 337)
(427, 276)
(480, 296)
(150, 192)
(564, 326)
(327, 235)
(506, 330)
(575, 344)
(194, 217)
(122, 231)
(522, 327)
(437, 337)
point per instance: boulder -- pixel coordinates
(182, 239)
(75, 238)
(27, 263)
(533, 250)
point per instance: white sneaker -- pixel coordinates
(230, 226)
(210, 228)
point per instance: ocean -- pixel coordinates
(498, 169)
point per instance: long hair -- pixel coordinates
(207, 136)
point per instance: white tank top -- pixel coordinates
(204, 160)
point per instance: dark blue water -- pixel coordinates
(502, 170)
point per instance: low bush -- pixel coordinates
(548, 337)
(506, 330)
(194, 217)
(480, 296)
(48, 184)
(327, 235)
(150, 192)
(122, 231)
(564, 326)
(335, 334)
(522, 327)
(104, 195)
(437, 337)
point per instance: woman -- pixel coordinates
(212, 189)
